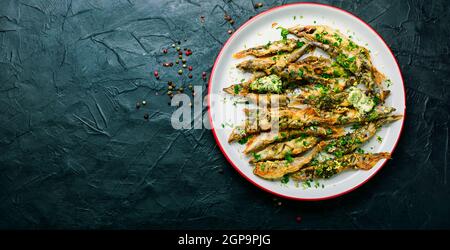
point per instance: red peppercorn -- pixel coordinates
(188, 52)
(165, 51)
(203, 73)
(190, 68)
(171, 64)
(156, 73)
(190, 75)
(298, 219)
(180, 52)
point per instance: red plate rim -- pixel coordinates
(234, 165)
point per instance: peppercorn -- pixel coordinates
(227, 17)
(190, 75)
(181, 89)
(183, 60)
(180, 56)
(190, 86)
(178, 48)
(138, 105)
(258, 5)
(144, 102)
(173, 45)
(190, 68)
(146, 116)
(169, 92)
(170, 88)
(180, 71)
(184, 66)
(231, 21)
(165, 51)
(230, 31)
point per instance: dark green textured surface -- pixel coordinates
(75, 153)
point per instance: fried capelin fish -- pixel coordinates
(364, 161)
(348, 54)
(273, 170)
(271, 48)
(261, 141)
(274, 64)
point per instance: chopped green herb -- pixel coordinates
(244, 140)
(284, 32)
(288, 157)
(256, 156)
(379, 139)
(285, 179)
(237, 89)
(300, 73)
(360, 150)
(300, 44)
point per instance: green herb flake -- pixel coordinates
(284, 33)
(237, 89)
(256, 156)
(379, 139)
(288, 157)
(285, 179)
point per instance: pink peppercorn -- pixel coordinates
(190, 68)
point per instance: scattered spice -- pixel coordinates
(298, 219)
(146, 116)
(138, 105)
(173, 45)
(190, 86)
(178, 48)
(184, 65)
(230, 31)
(188, 52)
(165, 51)
(180, 71)
(183, 60)
(231, 21)
(166, 64)
(181, 89)
(202, 19)
(156, 74)
(190, 75)
(144, 102)
(227, 17)
(259, 5)
(170, 88)
(279, 203)
(190, 68)
(177, 61)
(180, 52)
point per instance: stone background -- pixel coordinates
(75, 153)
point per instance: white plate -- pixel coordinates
(257, 31)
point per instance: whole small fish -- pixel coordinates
(353, 57)
(260, 120)
(273, 170)
(274, 64)
(271, 48)
(259, 142)
(282, 150)
(364, 161)
(351, 141)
